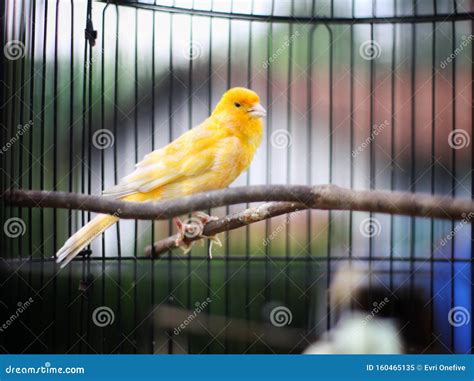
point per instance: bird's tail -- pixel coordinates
(83, 237)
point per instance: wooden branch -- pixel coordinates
(248, 216)
(316, 197)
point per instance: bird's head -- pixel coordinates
(240, 103)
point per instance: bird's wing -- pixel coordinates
(189, 155)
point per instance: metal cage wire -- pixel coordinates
(156, 69)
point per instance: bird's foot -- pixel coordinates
(193, 228)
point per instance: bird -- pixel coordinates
(207, 157)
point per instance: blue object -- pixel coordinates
(237, 367)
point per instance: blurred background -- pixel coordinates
(364, 94)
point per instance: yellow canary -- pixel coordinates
(207, 157)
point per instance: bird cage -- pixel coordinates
(361, 94)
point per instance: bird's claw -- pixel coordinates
(193, 228)
(213, 239)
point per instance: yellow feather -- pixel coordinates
(209, 156)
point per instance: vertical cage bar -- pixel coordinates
(42, 143)
(453, 160)
(152, 134)
(55, 124)
(351, 125)
(21, 120)
(209, 95)
(21, 62)
(170, 121)
(102, 119)
(309, 127)
(412, 187)
(115, 132)
(351, 137)
(190, 125)
(289, 160)
(268, 270)
(227, 209)
(88, 277)
(71, 161)
(71, 116)
(34, 118)
(247, 205)
(12, 104)
(83, 134)
(433, 152)
(371, 147)
(102, 169)
(331, 142)
(392, 146)
(135, 246)
(32, 28)
(55, 160)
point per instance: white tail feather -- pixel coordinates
(83, 237)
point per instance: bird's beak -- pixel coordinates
(257, 111)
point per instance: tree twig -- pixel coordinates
(316, 197)
(248, 216)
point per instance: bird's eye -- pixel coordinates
(237, 104)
